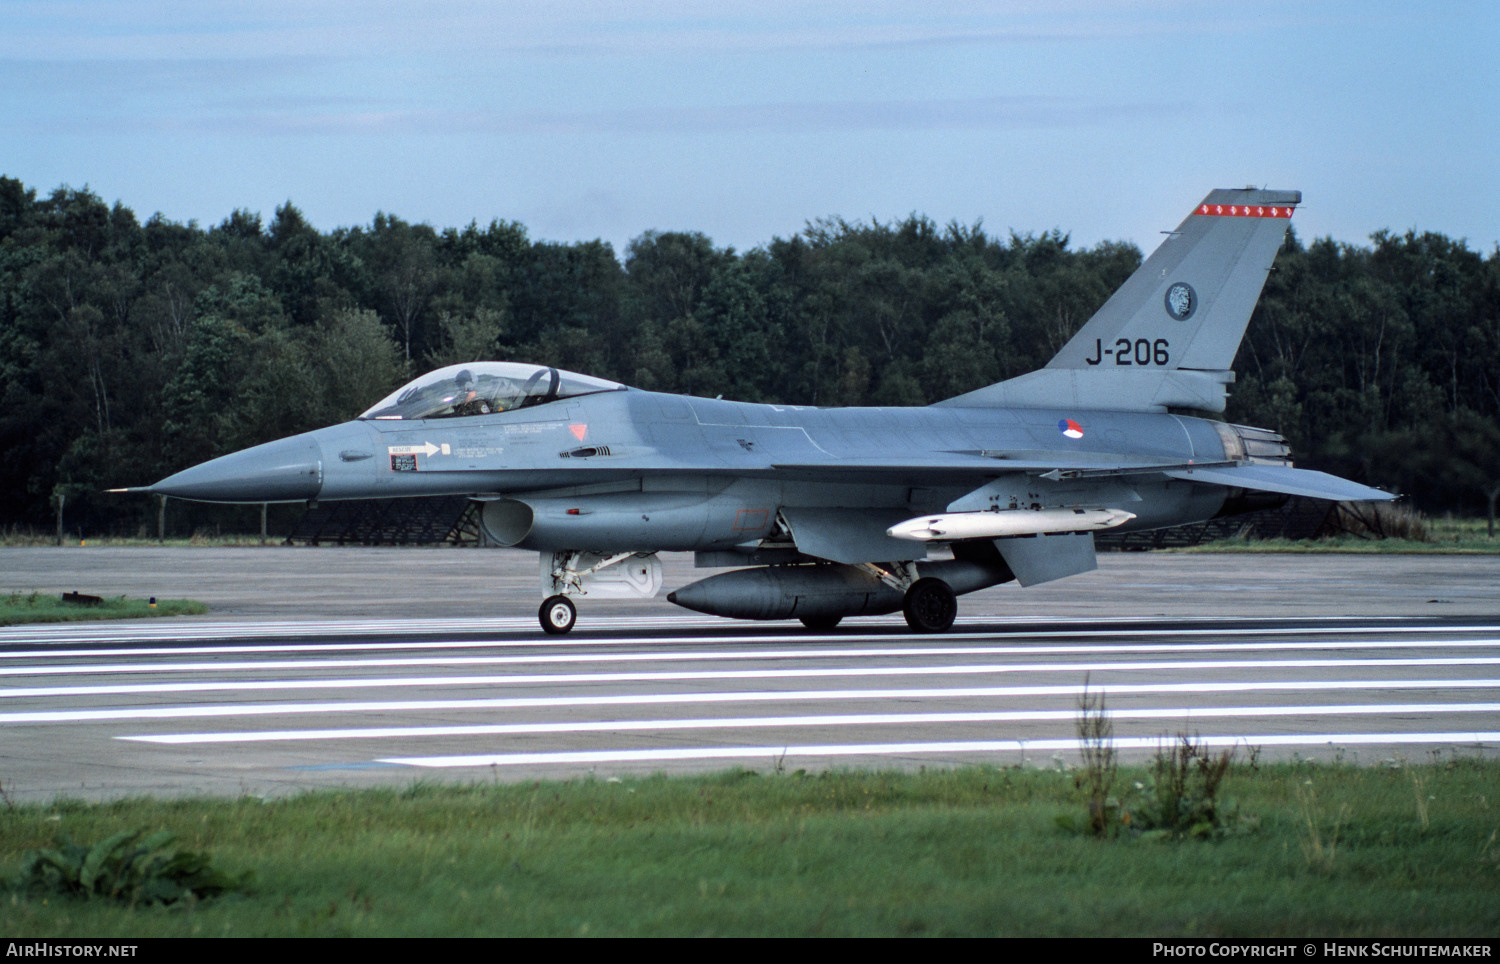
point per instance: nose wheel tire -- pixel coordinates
(558, 614)
(820, 624)
(930, 606)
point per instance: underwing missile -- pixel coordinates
(1009, 522)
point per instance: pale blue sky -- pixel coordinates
(744, 120)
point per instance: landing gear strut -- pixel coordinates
(930, 606)
(558, 614)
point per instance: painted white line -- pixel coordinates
(1343, 625)
(784, 753)
(187, 630)
(207, 711)
(832, 720)
(685, 676)
(221, 666)
(699, 656)
(169, 627)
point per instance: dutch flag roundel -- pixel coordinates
(1070, 428)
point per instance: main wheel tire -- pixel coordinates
(820, 624)
(930, 606)
(558, 614)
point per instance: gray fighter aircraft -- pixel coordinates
(834, 512)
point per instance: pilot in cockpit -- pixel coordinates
(467, 400)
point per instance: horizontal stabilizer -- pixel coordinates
(1286, 480)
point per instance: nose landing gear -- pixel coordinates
(558, 614)
(620, 575)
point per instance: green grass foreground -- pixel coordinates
(1335, 851)
(35, 607)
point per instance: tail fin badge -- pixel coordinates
(1181, 301)
(1070, 428)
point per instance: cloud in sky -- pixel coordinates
(307, 114)
(65, 30)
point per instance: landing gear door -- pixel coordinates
(573, 573)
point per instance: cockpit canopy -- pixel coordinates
(482, 388)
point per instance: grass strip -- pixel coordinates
(35, 607)
(1437, 536)
(1400, 850)
(1347, 545)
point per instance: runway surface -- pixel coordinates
(277, 583)
(232, 707)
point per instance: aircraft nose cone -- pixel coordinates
(287, 470)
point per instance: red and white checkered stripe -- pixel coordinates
(1245, 210)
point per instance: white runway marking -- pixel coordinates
(980, 669)
(525, 627)
(523, 640)
(761, 696)
(781, 753)
(890, 652)
(123, 718)
(847, 719)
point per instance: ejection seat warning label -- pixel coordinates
(404, 457)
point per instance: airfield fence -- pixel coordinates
(389, 522)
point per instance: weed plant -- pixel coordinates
(1096, 734)
(130, 866)
(1178, 797)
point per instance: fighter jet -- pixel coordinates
(823, 513)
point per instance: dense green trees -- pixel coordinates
(130, 350)
(1382, 364)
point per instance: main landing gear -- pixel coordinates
(930, 606)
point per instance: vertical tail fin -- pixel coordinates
(1168, 336)
(1195, 293)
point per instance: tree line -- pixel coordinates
(130, 350)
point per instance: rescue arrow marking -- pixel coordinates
(426, 448)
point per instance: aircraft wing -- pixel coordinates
(1284, 479)
(971, 463)
(952, 465)
(936, 468)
